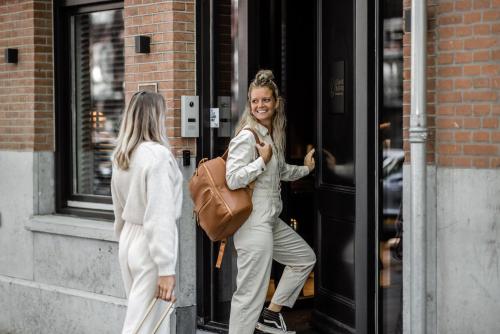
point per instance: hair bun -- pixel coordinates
(264, 76)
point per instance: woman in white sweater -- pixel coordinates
(146, 188)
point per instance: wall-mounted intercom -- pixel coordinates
(190, 116)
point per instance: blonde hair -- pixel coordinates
(143, 120)
(265, 78)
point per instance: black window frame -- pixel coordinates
(64, 160)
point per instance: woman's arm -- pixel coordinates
(293, 172)
(162, 202)
(241, 166)
(117, 209)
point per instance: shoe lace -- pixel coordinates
(282, 322)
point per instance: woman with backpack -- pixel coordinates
(146, 188)
(264, 236)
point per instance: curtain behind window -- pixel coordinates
(98, 97)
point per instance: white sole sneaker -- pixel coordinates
(271, 330)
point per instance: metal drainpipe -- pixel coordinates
(418, 139)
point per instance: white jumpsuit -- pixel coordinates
(147, 201)
(264, 236)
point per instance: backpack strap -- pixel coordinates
(222, 248)
(223, 243)
(257, 140)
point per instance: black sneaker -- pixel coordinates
(272, 322)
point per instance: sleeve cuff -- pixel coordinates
(166, 270)
(261, 164)
(306, 170)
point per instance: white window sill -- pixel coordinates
(72, 226)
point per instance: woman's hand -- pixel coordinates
(265, 151)
(165, 288)
(309, 160)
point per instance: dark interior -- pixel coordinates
(285, 42)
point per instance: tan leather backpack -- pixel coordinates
(218, 210)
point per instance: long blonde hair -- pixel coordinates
(265, 78)
(143, 120)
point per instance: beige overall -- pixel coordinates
(264, 236)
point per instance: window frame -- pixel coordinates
(92, 206)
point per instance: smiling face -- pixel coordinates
(263, 105)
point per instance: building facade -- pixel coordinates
(344, 68)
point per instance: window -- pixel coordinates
(89, 101)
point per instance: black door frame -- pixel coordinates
(366, 58)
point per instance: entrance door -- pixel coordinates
(345, 276)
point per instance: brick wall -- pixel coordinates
(463, 83)
(171, 62)
(26, 88)
(26, 93)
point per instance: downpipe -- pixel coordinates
(418, 150)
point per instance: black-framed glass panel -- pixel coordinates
(98, 100)
(224, 279)
(89, 100)
(338, 104)
(391, 170)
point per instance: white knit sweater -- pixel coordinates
(149, 193)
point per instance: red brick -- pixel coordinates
(480, 149)
(445, 161)
(450, 19)
(490, 123)
(445, 59)
(446, 32)
(472, 17)
(490, 69)
(462, 162)
(445, 110)
(463, 110)
(481, 136)
(444, 8)
(480, 43)
(463, 31)
(481, 109)
(482, 29)
(464, 57)
(480, 4)
(444, 136)
(495, 137)
(463, 83)
(449, 123)
(450, 45)
(479, 96)
(482, 83)
(472, 123)
(450, 71)
(472, 70)
(449, 97)
(480, 162)
(449, 149)
(493, 15)
(463, 5)
(463, 136)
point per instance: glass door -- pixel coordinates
(345, 271)
(216, 28)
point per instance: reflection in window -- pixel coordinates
(391, 146)
(98, 74)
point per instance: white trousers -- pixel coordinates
(261, 239)
(140, 277)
